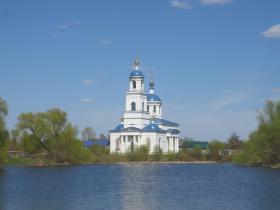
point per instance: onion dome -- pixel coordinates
(119, 127)
(136, 73)
(153, 98)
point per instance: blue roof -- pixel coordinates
(166, 122)
(136, 73)
(119, 127)
(90, 143)
(152, 127)
(131, 129)
(153, 97)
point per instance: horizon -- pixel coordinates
(214, 62)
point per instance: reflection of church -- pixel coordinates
(142, 122)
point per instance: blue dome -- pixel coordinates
(119, 127)
(136, 73)
(153, 97)
(152, 127)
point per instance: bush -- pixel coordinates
(140, 154)
(157, 155)
(184, 155)
(171, 157)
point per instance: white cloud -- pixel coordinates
(62, 26)
(272, 32)
(86, 100)
(228, 99)
(181, 4)
(214, 2)
(106, 42)
(87, 82)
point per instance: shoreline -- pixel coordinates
(166, 162)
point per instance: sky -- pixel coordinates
(214, 62)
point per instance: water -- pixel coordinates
(140, 186)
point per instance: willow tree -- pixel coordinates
(54, 133)
(3, 131)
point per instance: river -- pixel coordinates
(140, 186)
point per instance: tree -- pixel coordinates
(102, 136)
(52, 132)
(234, 142)
(263, 146)
(88, 133)
(214, 149)
(3, 132)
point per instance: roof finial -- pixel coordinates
(152, 86)
(136, 64)
(152, 83)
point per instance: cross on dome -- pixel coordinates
(136, 64)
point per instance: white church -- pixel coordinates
(142, 122)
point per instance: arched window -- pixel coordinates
(148, 108)
(155, 108)
(134, 84)
(133, 106)
(143, 106)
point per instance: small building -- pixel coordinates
(103, 142)
(190, 145)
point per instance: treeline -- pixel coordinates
(263, 145)
(49, 138)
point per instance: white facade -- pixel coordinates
(142, 122)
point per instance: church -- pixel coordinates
(142, 122)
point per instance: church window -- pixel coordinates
(143, 106)
(155, 108)
(133, 106)
(134, 84)
(147, 108)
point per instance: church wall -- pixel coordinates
(138, 99)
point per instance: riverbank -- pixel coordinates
(45, 162)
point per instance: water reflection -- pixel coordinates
(137, 184)
(140, 186)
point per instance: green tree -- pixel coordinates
(196, 153)
(214, 149)
(52, 132)
(263, 146)
(88, 133)
(4, 134)
(102, 136)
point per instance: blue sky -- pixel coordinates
(215, 62)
